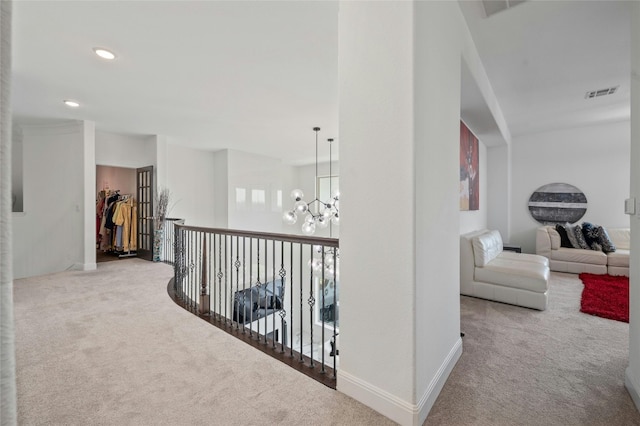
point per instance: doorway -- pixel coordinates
(115, 185)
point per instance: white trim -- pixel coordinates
(632, 388)
(84, 267)
(397, 409)
(435, 387)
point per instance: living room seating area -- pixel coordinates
(488, 272)
(604, 251)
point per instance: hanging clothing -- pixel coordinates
(125, 219)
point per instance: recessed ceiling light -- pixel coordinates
(70, 103)
(104, 53)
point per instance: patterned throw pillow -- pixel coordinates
(564, 238)
(590, 233)
(605, 241)
(571, 234)
(580, 238)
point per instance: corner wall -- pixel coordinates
(578, 157)
(400, 112)
(632, 377)
(50, 235)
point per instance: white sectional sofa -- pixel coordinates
(488, 272)
(576, 261)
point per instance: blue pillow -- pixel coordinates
(605, 241)
(590, 233)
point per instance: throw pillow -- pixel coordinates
(564, 238)
(590, 233)
(580, 238)
(571, 234)
(605, 241)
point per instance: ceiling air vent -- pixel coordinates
(601, 92)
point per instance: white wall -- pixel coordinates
(400, 112)
(132, 151)
(190, 180)
(477, 219)
(260, 178)
(221, 189)
(499, 190)
(112, 178)
(632, 377)
(50, 235)
(377, 251)
(595, 159)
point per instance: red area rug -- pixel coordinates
(605, 296)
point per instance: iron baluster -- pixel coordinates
(266, 287)
(334, 347)
(244, 284)
(311, 301)
(273, 297)
(322, 284)
(219, 276)
(283, 311)
(301, 297)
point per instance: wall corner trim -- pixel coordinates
(84, 267)
(397, 409)
(632, 387)
(431, 394)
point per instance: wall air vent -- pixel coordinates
(492, 7)
(601, 92)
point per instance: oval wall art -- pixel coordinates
(557, 203)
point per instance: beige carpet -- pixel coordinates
(525, 367)
(110, 348)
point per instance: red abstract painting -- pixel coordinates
(469, 170)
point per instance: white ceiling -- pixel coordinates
(257, 76)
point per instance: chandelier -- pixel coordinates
(317, 213)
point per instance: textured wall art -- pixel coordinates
(557, 203)
(469, 173)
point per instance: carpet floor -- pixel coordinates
(109, 347)
(525, 367)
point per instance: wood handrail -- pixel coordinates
(321, 241)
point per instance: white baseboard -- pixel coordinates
(431, 394)
(84, 266)
(400, 411)
(632, 388)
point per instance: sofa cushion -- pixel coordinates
(513, 273)
(524, 257)
(579, 256)
(554, 237)
(582, 243)
(618, 258)
(604, 240)
(621, 237)
(486, 247)
(564, 238)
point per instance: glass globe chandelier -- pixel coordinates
(317, 213)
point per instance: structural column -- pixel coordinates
(632, 379)
(399, 67)
(7, 342)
